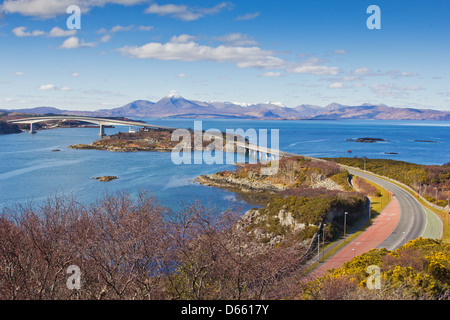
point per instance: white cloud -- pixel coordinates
(393, 90)
(411, 88)
(340, 51)
(20, 32)
(19, 73)
(409, 74)
(47, 87)
(183, 48)
(146, 28)
(366, 72)
(237, 39)
(312, 66)
(75, 74)
(105, 38)
(243, 57)
(182, 38)
(52, 8)
(58, 32)
(248, 16)
(336, 85)
(108, 33)
(271, 74)
(55, 32)
(318, 70)
(52, 87)
(182, 75)
(120, 28)
(74, 42)
(184, 12)
(361, 71)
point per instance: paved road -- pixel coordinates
(412, 220)
(382, 226)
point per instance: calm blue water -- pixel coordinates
(29, 170)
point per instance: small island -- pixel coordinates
(428, 141)
(154, 139)
(105, 178)
(366, 140)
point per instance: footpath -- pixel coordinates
(382, 226)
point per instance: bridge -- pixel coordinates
(101, 122)
(254, 151)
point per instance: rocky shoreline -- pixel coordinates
(157, 140)
(244, 185)
(113, 148)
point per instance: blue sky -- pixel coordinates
(293, 52)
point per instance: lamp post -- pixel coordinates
(448, 208)
(323, 240)
(345, 223)
(381, 199)
(318, 247)
(435, 197)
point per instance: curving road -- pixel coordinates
(413, 218)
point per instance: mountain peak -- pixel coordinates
(174, 94)
(278, 104)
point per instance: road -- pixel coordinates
(413, 219)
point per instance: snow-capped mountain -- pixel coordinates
(175, 106)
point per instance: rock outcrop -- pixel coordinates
(9, 128)
(251, 184)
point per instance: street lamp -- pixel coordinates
(345, 223)
(448, 208)
(435, 197)
(323, 240)
(318, 248)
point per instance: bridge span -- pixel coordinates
(102, 122)
(259, 152)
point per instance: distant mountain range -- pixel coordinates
(175, 106)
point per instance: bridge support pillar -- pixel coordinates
(102, 131)
(32, 129)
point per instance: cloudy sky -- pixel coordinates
(293, 52)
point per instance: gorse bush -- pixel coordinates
(420, 269)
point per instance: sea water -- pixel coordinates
(31, 171)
